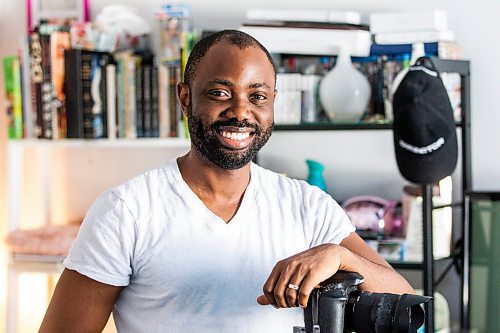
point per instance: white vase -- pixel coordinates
(344, 92)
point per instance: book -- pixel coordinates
(36, 72)
(155, 118)
(163, 100)
(409, 37)
(48, 112)
(311, 41)
(29, 113)
(444, 50)
(85, 89)
(59, 42)
(111, 100)
(415, 20)
(301, 15)
(12, 79)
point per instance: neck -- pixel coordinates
(212, 183)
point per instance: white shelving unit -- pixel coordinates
(34, 166)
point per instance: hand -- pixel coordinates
(305, 270)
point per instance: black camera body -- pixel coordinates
(338, 306)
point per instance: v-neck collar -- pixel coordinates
(212, 220)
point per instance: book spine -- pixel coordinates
(29, 117)
(111, 100)
(140, 87)
(95, 113)
(120, 86)
(59, 42)
(36, 71)
(130, 105)
(155, 119)
(73, 91)
(12, 79)
(163, 100)
(87, 103)
(48, 129)
(147, 101)
(173, 102)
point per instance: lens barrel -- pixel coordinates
(384, 313)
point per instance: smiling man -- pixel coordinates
(206, 242)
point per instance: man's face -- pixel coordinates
(230, 105)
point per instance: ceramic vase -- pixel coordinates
(344, 91)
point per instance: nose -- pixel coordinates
(240, 109)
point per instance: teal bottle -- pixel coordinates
(316, 174)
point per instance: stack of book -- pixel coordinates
(316, 32)
(395, 32)
(65, 84)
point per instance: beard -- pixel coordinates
(205, 141)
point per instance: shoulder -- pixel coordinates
(146, 183)
(299, 192)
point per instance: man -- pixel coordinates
(189, 246)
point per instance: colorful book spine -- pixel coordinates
(36, 55)
(48, 114)
(163, 100)
(29, 113)
(12, 79)
(85, 87)
(59, 42)
(111, 100)
(155, 119)
(140, 106)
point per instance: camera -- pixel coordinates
(337, 306)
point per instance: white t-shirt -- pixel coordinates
(184, 268)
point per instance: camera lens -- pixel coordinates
(383, 313)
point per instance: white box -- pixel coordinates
(307, 15)
(410, 37)
(409, 21)
(311, 40)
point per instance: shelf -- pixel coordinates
(102, 143)
(332, 126)
(328, 126)
(406, 264)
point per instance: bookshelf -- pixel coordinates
(461, 178)
(43, 171)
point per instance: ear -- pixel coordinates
(183, 96)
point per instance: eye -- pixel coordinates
(258, 97)
(218, 94)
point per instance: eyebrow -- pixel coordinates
(228, 83)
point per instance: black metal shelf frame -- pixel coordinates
(462, 67)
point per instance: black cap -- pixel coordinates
(425, 138)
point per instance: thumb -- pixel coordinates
(262, 300)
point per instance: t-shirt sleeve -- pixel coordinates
(326, 221)
(103, 249)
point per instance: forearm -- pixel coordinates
(377, 277)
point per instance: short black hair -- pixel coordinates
(234, 37)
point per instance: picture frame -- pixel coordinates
(38, 10)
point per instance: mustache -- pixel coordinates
(235, 123)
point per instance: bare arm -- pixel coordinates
(308, 268)
(79, 304)
(379, 275)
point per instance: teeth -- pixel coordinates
(235, 135)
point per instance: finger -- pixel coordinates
(308, 284)
(292, 294)
(268, 288)
(262, 300)
(281, 287)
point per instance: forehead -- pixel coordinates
(227, 61)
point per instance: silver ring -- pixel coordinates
(293, 286)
